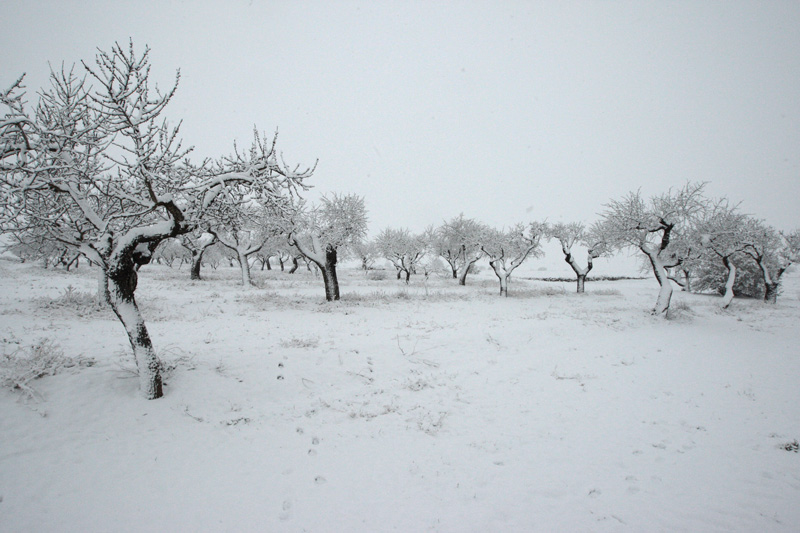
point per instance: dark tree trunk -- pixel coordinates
(295, 266)
(581, 283)
(329, 275)
(504, 286)
(197, 259)
(122, 280)
(771, 292)
(269, 265)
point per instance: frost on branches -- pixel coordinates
(458, 242)
(100, 171)
(508, 249)
(570, 234)
(320, 234)
(403, 249)
(773, 251)
(659, 227)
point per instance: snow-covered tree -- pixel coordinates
(322, 233)
(403, 249)
(507, 250)
(570, 234)
(658, 227)
(458, 241)
(367, 254)
(773, 251)
(723, 234)
(197, 242)
(169, 251)
(243, 224)
(101, 171)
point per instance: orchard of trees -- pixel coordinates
(94, 171)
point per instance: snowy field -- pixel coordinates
(428, 408)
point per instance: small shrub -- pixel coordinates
(606, 292)
(81, 303)
(24, 365)
(679, 310)
(297, 342)
(377, 275)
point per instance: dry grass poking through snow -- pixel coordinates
(427, 407)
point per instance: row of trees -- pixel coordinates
(684, 238)
(96, 170)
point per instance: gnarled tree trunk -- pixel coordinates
(329, 274)
(122, 280)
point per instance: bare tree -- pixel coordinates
(197, 242)
(773, 252)
(402, 249)
(458, 242)
(507, 250)
(99, 170)
(242, 225)
(337, 223)
(658, 228)
(576, 233)
(169, 251)
(366, 252)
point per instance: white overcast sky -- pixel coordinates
(505, 111)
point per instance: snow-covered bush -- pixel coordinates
(710, 276)
(24, 365)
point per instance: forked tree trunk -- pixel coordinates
(121, 286)
(504, 285)
(771, 283)
(580, 272)
(688, 277)
(295, 265)
(462, 279)
(503, 275)
(727, 298)
(581, 283)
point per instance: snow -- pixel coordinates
(428, 408)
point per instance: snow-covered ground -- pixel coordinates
(428, 408)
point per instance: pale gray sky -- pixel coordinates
(506, 111)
